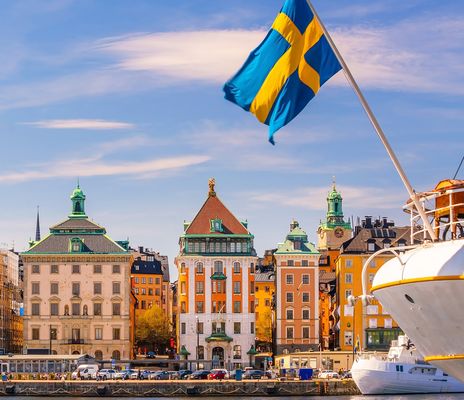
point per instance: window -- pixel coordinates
(199, 287)
(116, 333)
(54, 288)
(305, 279)
(116, 308)
(257, 289)
(218, 327)
(237, 352)
(136, 280)
(157, 281)
(143, 305)
(97, 269)
(98, 333)
(238, 247)
(144, 290)
(97, 309)
(305, 297)
(36, 269)
(252, 327)
(53, 269)
(348, 278)
(182, 288)
(348, 263)
(218, 269)
(97, 288)
(289, 296)
(348, 293)
(304, 263)
(183, 307)
(305, 332)
(150, 292)
(290, 263)
(200, 328)
(35, 308)
(267, 302)
(201, 353)
(35, 333)
(76, 269)
(53, 308)
(35, 289)
(237, 328)
(200, 307)
(232, 247)
(236, 267)
(76, 289)
(372, 323)
(289, 332)
(289, 313)
(237, 307)
(305, 314)
(136, 290)
(76, 308)
(116, 287)
(182, 328)
(116, 269)
(267, 289)
(252, 288)
(289, 279)
(53, 333)
(150, 281)
(236, 287)
(116, 355)
(66, 310)
(199, 268)
(144, 280)
(182, 268)
(370, 246)
(157, 292)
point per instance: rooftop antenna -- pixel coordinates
(460, 164)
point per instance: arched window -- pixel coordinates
(199, 268)
(218, 269)
(236, 267)
(201, 352)
(66, 310)
(237, 352)
(116, 355)
(98, 355)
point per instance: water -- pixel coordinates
(457, 396)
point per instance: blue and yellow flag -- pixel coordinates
(286, 70)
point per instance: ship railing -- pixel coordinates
(446, 228)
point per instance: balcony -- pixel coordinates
(76, 341)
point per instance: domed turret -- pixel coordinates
(78, 203)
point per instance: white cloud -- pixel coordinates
(354, 198)
(92, 124)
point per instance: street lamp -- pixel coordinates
(198, 340)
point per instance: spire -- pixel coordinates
(78, 203)
(334, 189)
(334, 205)
(37, 227)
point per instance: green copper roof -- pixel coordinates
(218, 276)
(252, 351)
(218, 337)
(334, 216)
(183, 351)
(78, 203)
(296, 242)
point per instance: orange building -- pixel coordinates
(297, 294)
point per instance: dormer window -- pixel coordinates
(75, 245)
(371, 245)
(216, 225)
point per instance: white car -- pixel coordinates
(104, 374)
(328, 375)
(85, 372)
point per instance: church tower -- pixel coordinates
(78, 202)
(334, 231)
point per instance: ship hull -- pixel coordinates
(425, 294)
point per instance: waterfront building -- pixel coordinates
(297, 293)
(77, 293)
(11, 321)
(265, 307)
(332, 232)
(215, 292)
(371, 326)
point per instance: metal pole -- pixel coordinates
(376, 125)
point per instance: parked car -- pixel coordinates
(218, 374)
(105, 374)
(145, 374)
(124, 374)
(253, 374)
(159, 375)
(77, 373)
(183, 373)
(200, 374)
(233, 373)
(327, 374)
(89, 373)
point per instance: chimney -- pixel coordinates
(140, 249)
(384, 222)
(368, 223)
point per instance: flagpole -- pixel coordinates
(376, 125)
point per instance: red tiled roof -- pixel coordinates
(211, 209)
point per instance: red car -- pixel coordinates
(218, 374)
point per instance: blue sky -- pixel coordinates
(127, 95)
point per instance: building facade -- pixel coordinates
(297, 293)
(215, 292)
(77, 290)
(11, 321)
(265, 308)
(366, 327)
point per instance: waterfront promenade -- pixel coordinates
(179, 388)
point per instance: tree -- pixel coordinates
(152, 328)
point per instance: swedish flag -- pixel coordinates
(286, 70)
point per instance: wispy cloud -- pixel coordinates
(89, 124)
(314, 198)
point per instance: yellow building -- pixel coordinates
(264, 309)
(370, 325)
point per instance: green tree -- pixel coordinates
(153, 329)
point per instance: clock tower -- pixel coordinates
(334, 231)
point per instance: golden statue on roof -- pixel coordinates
(211, 183)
